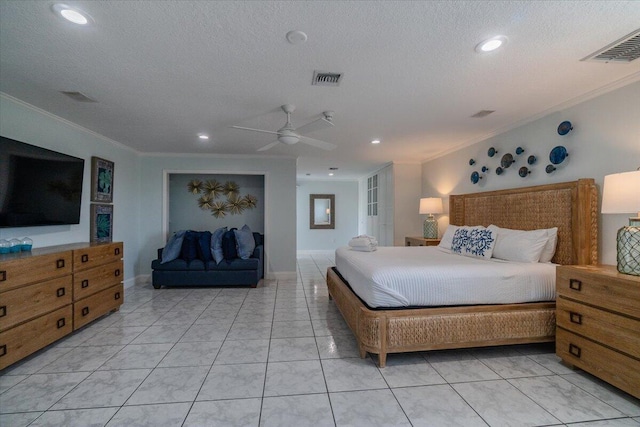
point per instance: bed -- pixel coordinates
(570, 206)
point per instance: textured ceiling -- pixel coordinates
(163, 71)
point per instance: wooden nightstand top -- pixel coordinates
(420, 241)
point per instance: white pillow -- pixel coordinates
(447, 237)
(550, 248)
(475, 242)
(519, 245)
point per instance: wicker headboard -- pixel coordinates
(570, 206)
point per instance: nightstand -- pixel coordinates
(598, 323)
(420, 241)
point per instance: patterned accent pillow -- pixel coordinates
(475, 242)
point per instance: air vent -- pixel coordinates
(323, 78)
(625, 50)
(78, 96)
(483, 113)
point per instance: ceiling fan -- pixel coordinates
(289, 135)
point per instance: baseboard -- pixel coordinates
(139, 279)
(282, 275)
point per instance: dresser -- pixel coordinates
(420, 241)
(598, 323)
(50, 292)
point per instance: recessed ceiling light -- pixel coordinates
(72, 14)
(375, 141)
(203, 136)
(296, 37)
(491, 44)
(330, 173)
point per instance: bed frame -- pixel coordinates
(570, 206)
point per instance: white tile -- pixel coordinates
(82, 359)
(250, 331)
(22, 419)
(618, 422)
(620, 400)
(167, 415)
(191, 354)
(161, 334)
(233, 382)
(243, 351)
(165, 385)
(96, 417)
(39, 391)
(198, 333)
(237, 413)
(565, 401)
(288, 349)
(352, 374)
(137, 356)
(437, 405)
(292, 329)
(312, 410)
(367, 408)
(411, 370)
(515, 366)
(337, 347)
(36, 361)
(299, 377)
(8, 381)
(501, 404)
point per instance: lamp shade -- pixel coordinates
(431, 205)
(621, 193)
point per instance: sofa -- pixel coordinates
(234, 272)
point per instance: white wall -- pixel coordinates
(346, 211)
(23, 122)
(279, 199)
(605, 140)
(406, 194)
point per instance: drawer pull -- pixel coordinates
(3, 311)
(60, 292)
(116, 251)
(85, 311)
(575, 318)
(574, 350)
(3, 350)
(3, 276)
(116, 296)
(85, 283)
(117, 272)
(84, 258)
(61, 323)
(575, 284)
(60, 263)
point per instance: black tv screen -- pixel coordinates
(38, 186)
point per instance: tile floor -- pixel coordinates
(281, 355)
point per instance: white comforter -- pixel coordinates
(431, 276)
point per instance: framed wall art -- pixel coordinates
(101, 223)
(101, 180)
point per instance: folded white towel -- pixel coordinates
(363, 240)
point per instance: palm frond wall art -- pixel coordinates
(211, 191)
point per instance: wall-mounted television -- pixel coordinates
(38, 186)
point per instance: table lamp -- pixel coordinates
(430, 206)
(621, 194)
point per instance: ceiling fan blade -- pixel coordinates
(313, 126)
(317, 143)
(255, 130)
(269, 146)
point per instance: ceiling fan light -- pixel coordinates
(288, 139)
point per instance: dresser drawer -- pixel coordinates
(31, 336)
(95, 255)
(608, 289)
(615, 368)
(88, 282)
(30, 269)
(94, 306)
(619, 332)
(27, 302)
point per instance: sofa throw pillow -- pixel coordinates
(173, 247)
(229, 245)
(475, 242)
(204, 246)
(245, 242)
(518, 245)
(190, 246)
(447, 237)
(216, 244)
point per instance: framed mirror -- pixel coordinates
(322, 208)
